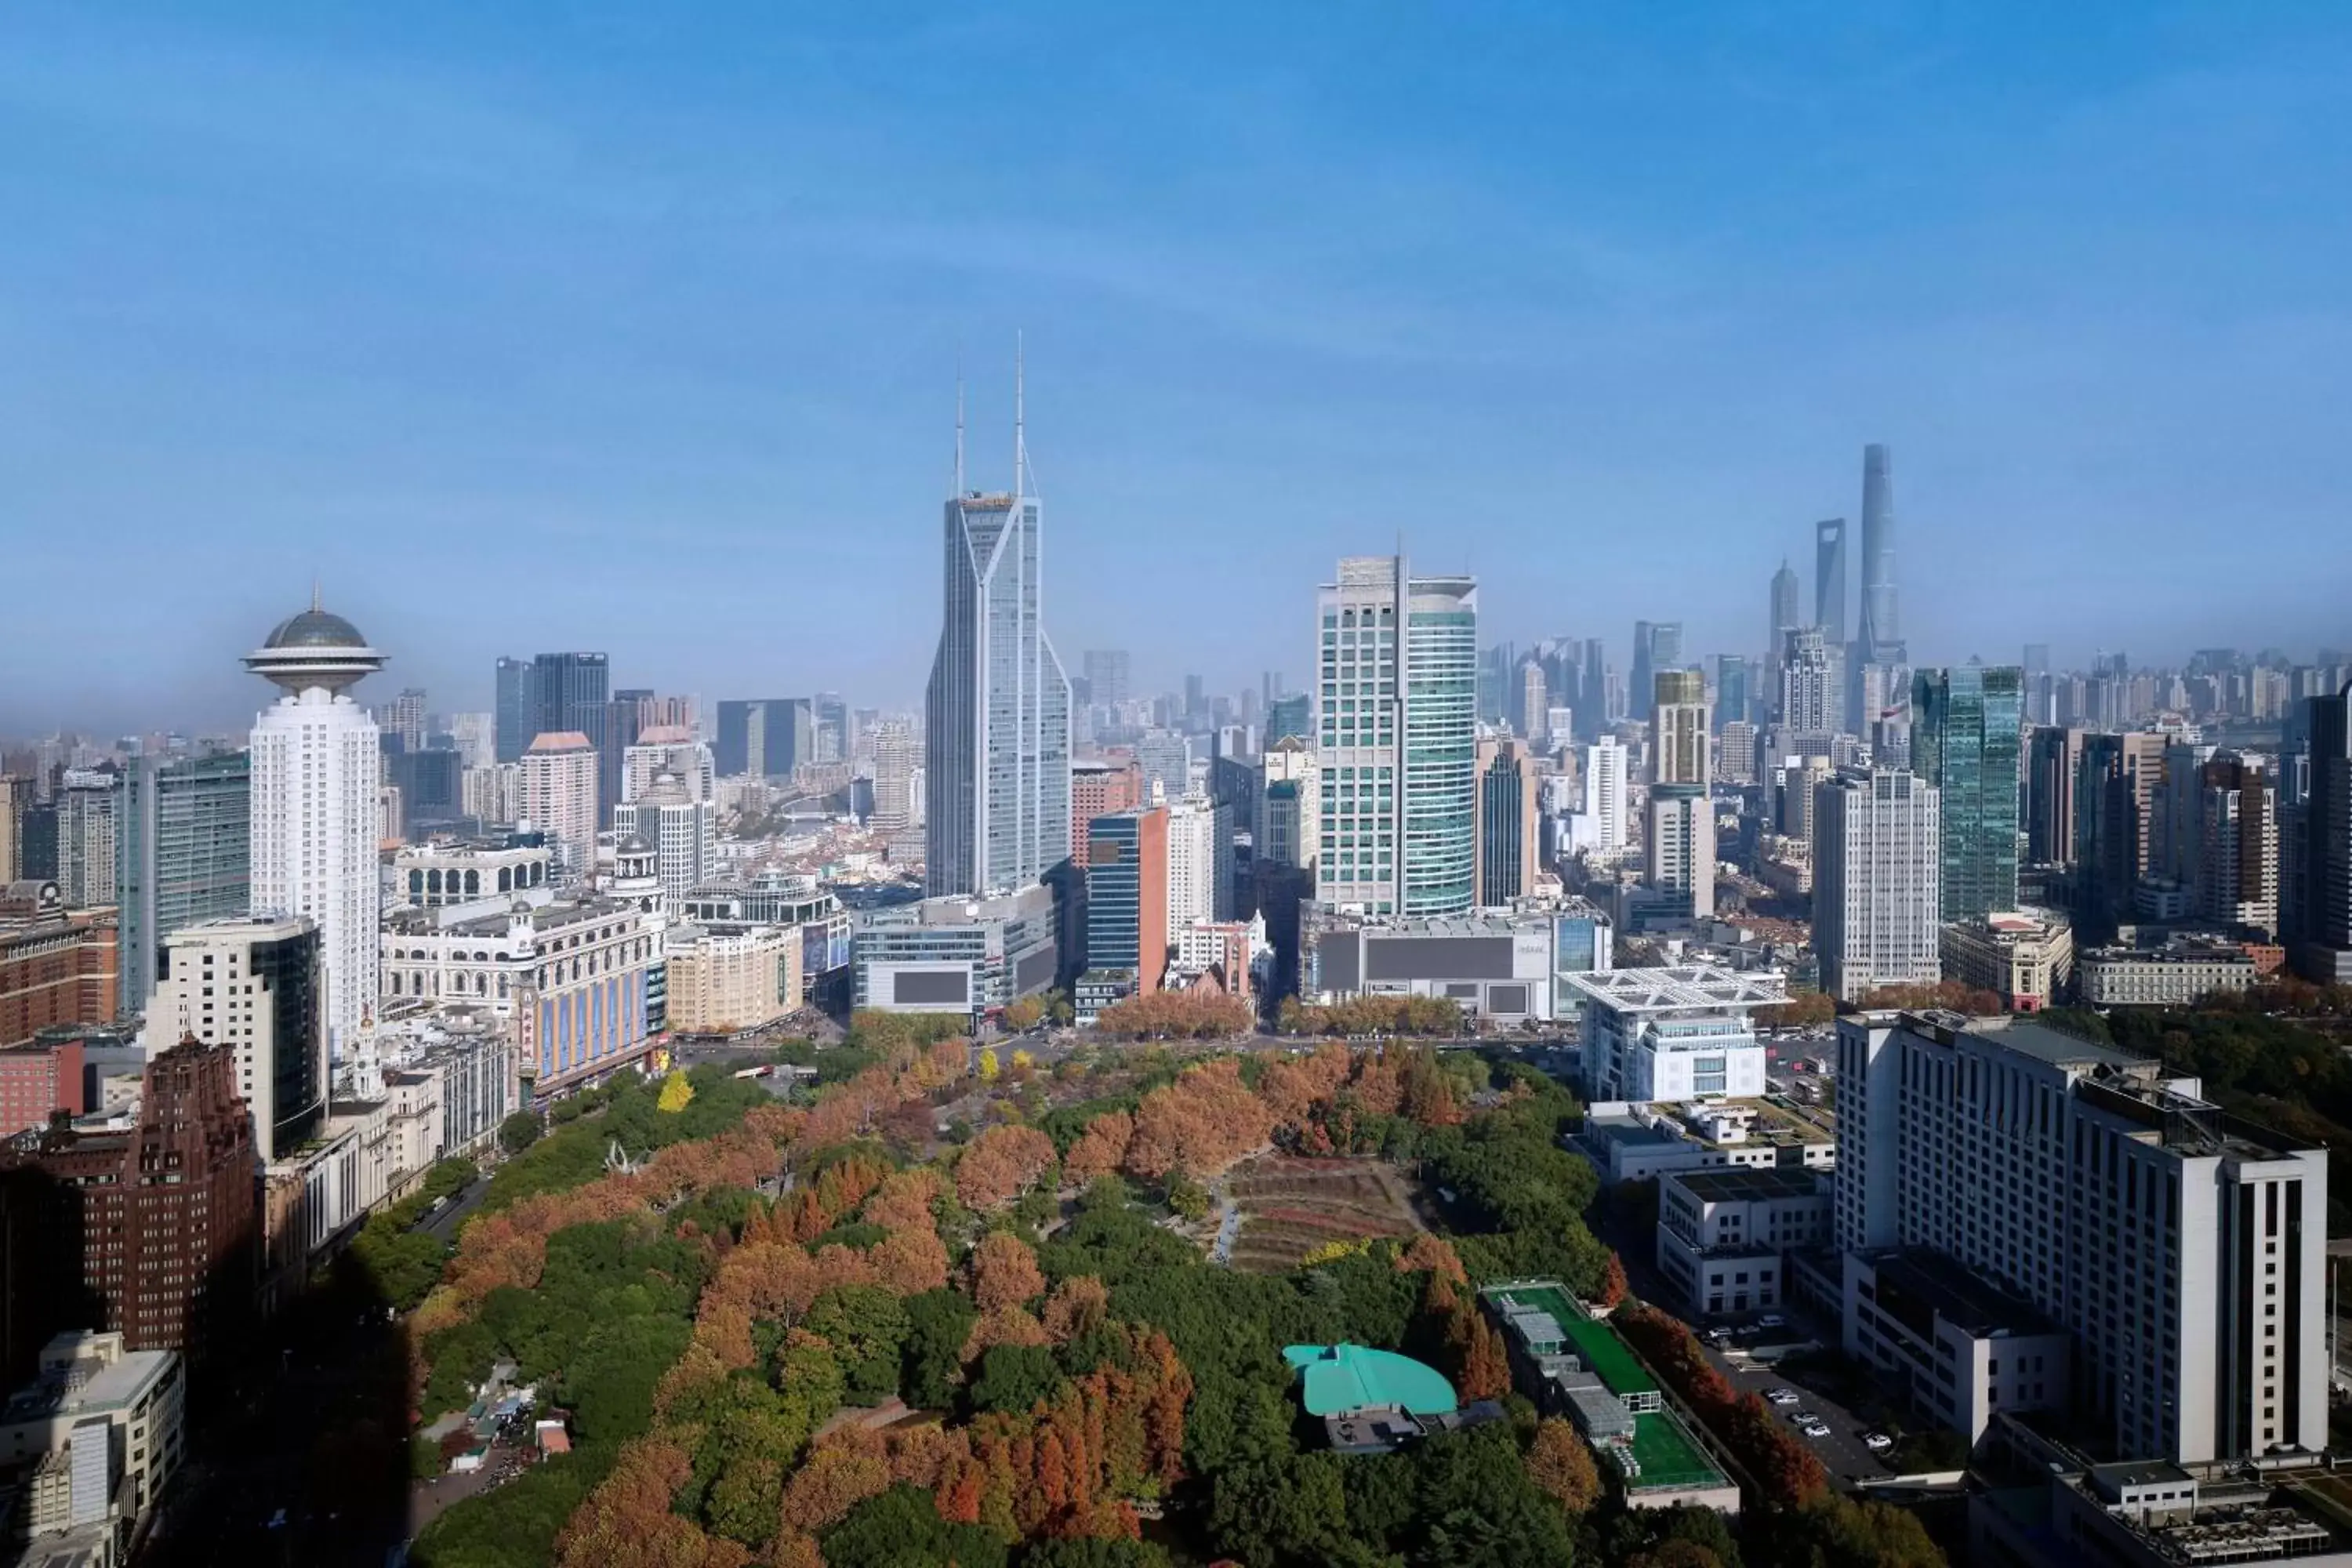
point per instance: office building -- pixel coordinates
(156, 1223)
(2235, 861)
(2187, 967)
(1810, 696)
(1289, 718)
(1877, 867)
(1785, 618)
(668, 749)
(1108, 682)
(2053, 770)
(56, 966)
(1679, 854)
(1593, 696)
(1128, 897)
(729, 983)
(556, 796)
(1737, 753)
(183, 854)
(1200, 861)
(317, 769)
(1657, 645)
(681, 831)
(1830, 578)
(2323, 904)
(1674, 1034)
(1724, 1236)
(16, 794)
(1509, 839)
(894, 777)
(2115, 823)
(1880, 636)
(2025, 957)
(85, 802)
(37, 843)
(402, 719)
(1608, 806)
(97, 1434)
(1290, 794)
(431, 787)
(1679, 727)
(765, 737)
(517, 709)
(1397, 657)
(1734, 689)
(1964, 742)
(252, 986)
(1104, 786)
(2180, 1250)
(997, 710)
(961, 955)
(571, 695)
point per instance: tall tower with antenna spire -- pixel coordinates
(997, 710)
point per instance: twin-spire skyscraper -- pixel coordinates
(997, 710)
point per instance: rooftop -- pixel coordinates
(1693, 988)
(1596, 1344)
(1354, 1377)
(1742, 1183)
(561, 740)
(2039, 1041)
(1934, 1282)
(89, 1386)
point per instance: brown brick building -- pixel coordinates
(56, 965)
(37, 1078)
(163, 1216)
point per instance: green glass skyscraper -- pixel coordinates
(183, 855)
(1965, 726)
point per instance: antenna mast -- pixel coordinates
(958, 466)
(1020, 434)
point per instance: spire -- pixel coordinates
(1020, 435)
(958, 469)
(314, 594)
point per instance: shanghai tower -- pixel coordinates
(997, 712)
(1881, 632)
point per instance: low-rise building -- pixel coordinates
(1959, 1349)
(1724, 1236)
(730, 982)
(1506, 968)
(101, 1426)
(783, 899)
(2184, 969)
(1674, 1034)
(2065, 1511)
(1630, 1142)
(2026, 957)
(967, 955)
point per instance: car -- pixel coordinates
(1772, 1321)
(1814, 1429)
(1782, 1396)
(1877, 1442)
(1718, 1335)
(1802, 1418)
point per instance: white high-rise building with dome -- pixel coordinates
(317, 765)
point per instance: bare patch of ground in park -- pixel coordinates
(1290, 1207)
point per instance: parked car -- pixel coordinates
(1877, 1442)
(1772, 1321)
(1802, 1418)
(1782, 1396)
(1718, 1335)
(1814, 1429)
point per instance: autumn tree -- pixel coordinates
(1100, 1150)
(1003, 1272)
(1001, 1164)
(1197, 1125)
(1560, 1463)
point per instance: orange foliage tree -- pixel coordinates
(1784, 1467)
(1001, 1164)
(627, 1518)
(1197, 1125)
(1101, 1148)
(1560, 1463)
(1003, 1272)
(1175, 1015)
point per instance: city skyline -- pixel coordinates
(1550, 309)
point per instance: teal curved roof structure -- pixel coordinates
(1354, 1377)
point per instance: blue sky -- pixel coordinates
(635, 328)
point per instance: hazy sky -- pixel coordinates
(635, 328)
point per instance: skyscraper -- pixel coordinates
(1398, 661)
(1506, 822)
(1786, 617)
(1679, 731)
(1657, 645)
(2323, 885)
(1105, 670)
(765, 737)
(997, 712)
(266, 974)
(317, 766)
(184, 855)
(2237, 860)
(406, 712)
(1808, 683)
(571, 694)
(2053, 767)
(516, 709)
(893, 776)
(1964, 741)
(1534, 702)
(1605, 801)
(1734, 689)
(1127, 894)
(1829, 578)
(1877, 867)
(16, 793)
(2115, 822)
(1881, 633)
(557, 789)
(1200, 862)
(680, 827)
(85, 803)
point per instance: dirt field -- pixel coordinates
(1291, 1206)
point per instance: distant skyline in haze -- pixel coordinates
(637, 332)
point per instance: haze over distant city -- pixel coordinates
(528, 333)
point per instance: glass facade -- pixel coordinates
(184, 856)
(1965, 731)
(1115, 892)
(1441, 748)
(288, 972)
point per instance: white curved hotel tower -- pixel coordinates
(317, 767)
